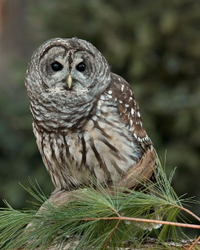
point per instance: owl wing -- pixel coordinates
(129, 113)
(128, 109)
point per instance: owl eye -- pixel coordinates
(81, 67)
(56, 66)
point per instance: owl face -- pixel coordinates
(68, 69)
(64, 79)
(72, 65)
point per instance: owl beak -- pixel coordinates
(69, 81)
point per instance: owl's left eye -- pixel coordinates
(56, 66)
(81, 67)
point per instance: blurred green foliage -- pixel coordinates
(154, 45)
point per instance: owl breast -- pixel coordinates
(104, 148)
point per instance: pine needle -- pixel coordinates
(95, 218)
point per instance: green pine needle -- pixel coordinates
(94, 219)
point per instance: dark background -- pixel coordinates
(154, 45)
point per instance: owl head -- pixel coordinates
(64, 79)
(69, 65)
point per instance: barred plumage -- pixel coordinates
(86, 120)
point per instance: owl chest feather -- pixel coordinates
(103, 148)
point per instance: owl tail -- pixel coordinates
(141, 176)
(144, 170)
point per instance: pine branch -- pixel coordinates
(97, 217)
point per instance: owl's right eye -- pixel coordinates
(56, 66)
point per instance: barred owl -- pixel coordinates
(86, 119)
